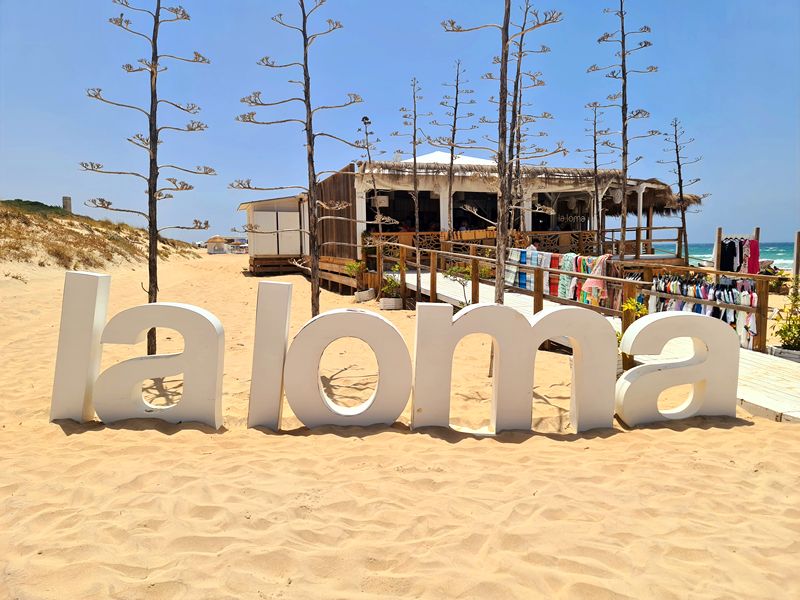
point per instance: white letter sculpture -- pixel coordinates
(83, 315)
(301, 373)
(118, 390)
(713, 369)
(269, 352)
(516, 341)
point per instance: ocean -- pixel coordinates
(780, 252)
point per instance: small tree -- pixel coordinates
(307, 38)
(677, 144)
(150, 141)
(452, 105)
(370, 147)
(596, 154)
(411, 118)
(501, 156)
(620, 72)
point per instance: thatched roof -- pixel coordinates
(657, 194)
(545, 174)
(215, 240)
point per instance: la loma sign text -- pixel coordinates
(80, 390)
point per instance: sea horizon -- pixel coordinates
(781, 253)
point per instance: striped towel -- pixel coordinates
(512, 266)
(533, 261)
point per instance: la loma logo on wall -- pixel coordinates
(80, 390)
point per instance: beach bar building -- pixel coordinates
(556, 209)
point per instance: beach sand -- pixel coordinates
(704, 508)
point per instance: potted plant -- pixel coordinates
(638, 310)
(356, 270)
(390, 292)
(787, 326)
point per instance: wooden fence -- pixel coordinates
(434, 261)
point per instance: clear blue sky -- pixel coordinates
(730, 69)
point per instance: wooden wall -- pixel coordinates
(339, 187)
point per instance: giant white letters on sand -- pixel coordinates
(118, 390)
(712, 370)
(301, 374)
(278, 369)
(269, 353)
(516, 342)
(83, 316)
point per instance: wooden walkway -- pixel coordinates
(769, 386)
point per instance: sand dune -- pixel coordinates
(705, 508)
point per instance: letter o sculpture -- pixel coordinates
(302, 385)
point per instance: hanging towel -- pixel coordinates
(544, 262)
(597, 287)
(555, 263)
(567, 264)
(753, 265)
(533, 261)
(512, 266)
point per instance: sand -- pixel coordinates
(704, 508)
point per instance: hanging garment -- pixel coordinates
(555, 263)
(596, 288)
(564, 281)
(745, 256)
(727, 250)
(753, 264)
(533, 261)
(512, 266)
(522, 276)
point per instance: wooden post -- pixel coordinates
(757, 234)
(762, 316)
(649, 244)
(538, 290)
(403, 290)
(475, 275)
(718, 250)
(434, 279)
(638, 253)
(379, 265)
(628, 317)
(796, 267)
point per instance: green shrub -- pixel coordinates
(787, 321)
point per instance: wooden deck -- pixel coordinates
(769, 386)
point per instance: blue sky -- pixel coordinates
(729, 69)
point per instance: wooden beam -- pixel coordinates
(762, 316)
(402, 263)
(379, 267)
(475, 272)
(629, 290)
(718, 250)
(434, 270)
(796, 268)
(538, 290)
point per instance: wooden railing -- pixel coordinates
(434, 261)
(650, 236)
(579, 242)
(649, 270)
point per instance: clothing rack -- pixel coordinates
(649, 270)
(756, 235)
